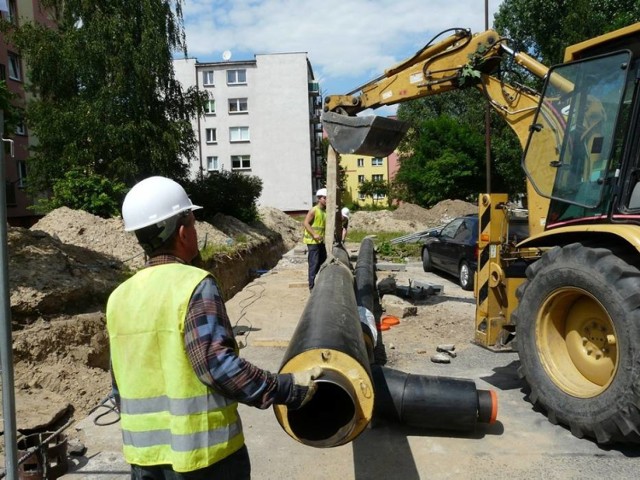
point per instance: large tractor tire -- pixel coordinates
(578, 338)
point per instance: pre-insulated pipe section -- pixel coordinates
(329, 335)
(432, 402)
(365, 290)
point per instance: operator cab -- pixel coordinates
(581, 153)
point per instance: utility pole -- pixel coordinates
(6, 347)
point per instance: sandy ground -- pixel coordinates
(522, 444)
(62, 358)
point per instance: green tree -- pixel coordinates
(106, 99)
(374, 189)
(544, 28)
(445, 161)
(10, 112)
(229, 192)
(467, 107)
(85, 191)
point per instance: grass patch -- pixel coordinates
(386, 250)
(210, 250)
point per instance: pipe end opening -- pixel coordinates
(327, 419)
(487, 406)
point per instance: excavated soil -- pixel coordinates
(62, 270)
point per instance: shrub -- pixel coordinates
(228, 192)
(90, 192)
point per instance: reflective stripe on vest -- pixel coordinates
(318, 225)
(168, 416)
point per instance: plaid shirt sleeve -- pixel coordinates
(211, 348)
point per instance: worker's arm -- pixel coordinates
(211, 348)
(308, 221)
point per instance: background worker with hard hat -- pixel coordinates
(314, 226)
(345, 223)
(175, 365)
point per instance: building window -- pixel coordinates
(207, 78)
(360, 178)
(212, 164)
(361, 162)
(20, 128)
(210, 107)
(240, 162)
(377, 178)
(239, 134)
(361, 196)
(3, 72)
(22, 173)
(376, 162)
(11, 194)
(238, 105)
(378, 196)
(15, 72)
(210, 134)
(11, 16)
(237, 77)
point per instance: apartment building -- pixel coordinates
(361, 168)
(16, 143)
(263, 119)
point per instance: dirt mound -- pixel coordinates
(47, 276)
(277, 221)
(76, 227)
(408, 218)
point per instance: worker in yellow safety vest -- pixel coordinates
(314, 226)
(177, 375)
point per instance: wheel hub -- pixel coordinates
(577, 342)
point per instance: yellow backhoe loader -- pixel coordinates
(568, 297)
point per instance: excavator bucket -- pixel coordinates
(373, 136)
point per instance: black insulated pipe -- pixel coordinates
(329, 335)
(366, 295)
(431, 402)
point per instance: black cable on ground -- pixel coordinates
(109, 403)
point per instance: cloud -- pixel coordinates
(346, 40)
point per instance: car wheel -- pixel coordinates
(465, 276)
(426, 260)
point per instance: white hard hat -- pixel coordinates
(345, 212)
(321, 193)
(153, 200)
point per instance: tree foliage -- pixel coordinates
(229, 192)
(374, 189)
(85, 191)
(106, 100)
(10, 112)
(445, 162)
(544, 28)
(443, 154)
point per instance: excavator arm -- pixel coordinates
(462, 60)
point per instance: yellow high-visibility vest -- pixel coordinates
(318, 225)
(168, 416)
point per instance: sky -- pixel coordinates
(348, 42)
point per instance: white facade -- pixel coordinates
(265, 123)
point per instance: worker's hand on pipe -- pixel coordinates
(305, 383)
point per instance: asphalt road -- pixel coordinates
(521, 444)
